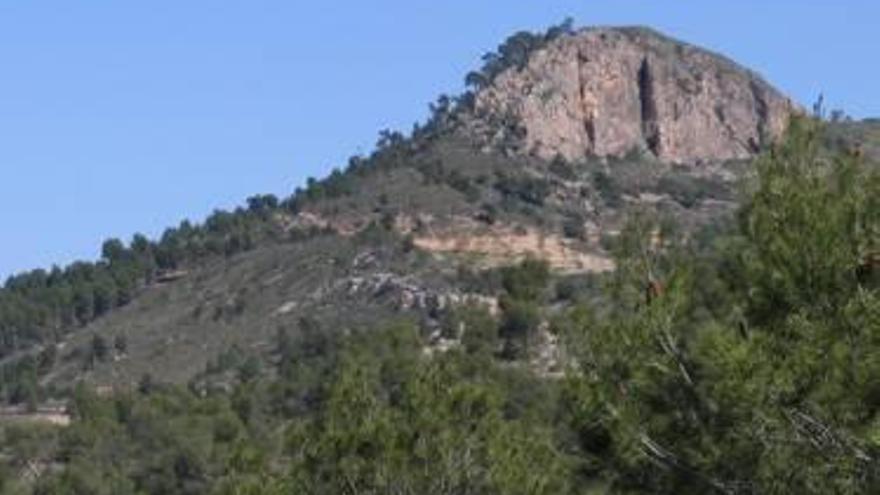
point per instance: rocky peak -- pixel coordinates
(609, 91)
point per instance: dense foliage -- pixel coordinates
(39, 302)
(37, 308)
(746, 360)
(780, 393)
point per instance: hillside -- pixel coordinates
(502, 245)
(463, 202)
(444, 189)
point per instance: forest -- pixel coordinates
(742, 359)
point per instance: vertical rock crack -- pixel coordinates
(648, 104)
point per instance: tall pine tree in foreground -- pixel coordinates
(781, 394)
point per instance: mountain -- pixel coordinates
(560, 135)
(588, 209)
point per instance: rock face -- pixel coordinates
(609, 91)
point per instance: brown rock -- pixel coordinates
(609, 91)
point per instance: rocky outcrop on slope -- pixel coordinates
(610, 91)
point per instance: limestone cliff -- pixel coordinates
(608, 91)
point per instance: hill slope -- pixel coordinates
(504, 172)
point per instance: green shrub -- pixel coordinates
(531, 190)
(609, 190)
(527, 280)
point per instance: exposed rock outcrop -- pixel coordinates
(502, 245)
(609, 91)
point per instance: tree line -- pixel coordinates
(38, 304)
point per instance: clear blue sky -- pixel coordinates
(117, 117)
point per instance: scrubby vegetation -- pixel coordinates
(40, 307)
(746, 360)
(514, 53)
(431, 171)
(33, 305)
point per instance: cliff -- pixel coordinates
(609, 91)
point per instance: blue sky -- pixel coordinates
(123, 117)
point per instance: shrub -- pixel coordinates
(480, 331)
(689, 191)
(574, 228)
(563, 169)
(609, 190)
(527, 280)
(518, 325)
(532, 190)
